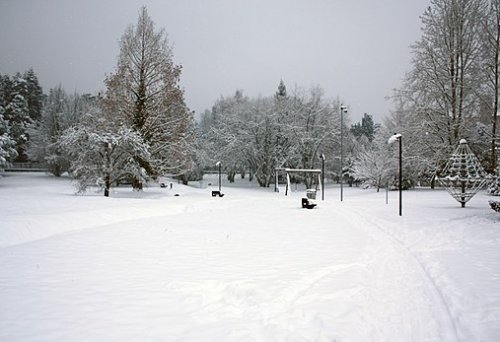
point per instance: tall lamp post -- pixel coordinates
(322, 157)
(392, 139)
(219, 165)
(343, 109)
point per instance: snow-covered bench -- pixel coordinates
(217, 193)
(307, 203)
(495, 206)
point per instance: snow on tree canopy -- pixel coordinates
(463, 175)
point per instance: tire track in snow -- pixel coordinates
(363, 223)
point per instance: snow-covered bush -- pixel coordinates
(103, 155)
(373, 165)
(495, 205)
(494, 187)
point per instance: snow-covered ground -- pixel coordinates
(251, 266)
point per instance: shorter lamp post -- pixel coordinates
(219, 165)
(392, 139)
(343, 109)
(322, 157)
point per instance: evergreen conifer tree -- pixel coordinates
(17, 115)
(7, 144)
(34, 95)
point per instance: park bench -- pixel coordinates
(306, 203)
(217, 193)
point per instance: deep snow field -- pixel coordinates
(250, 266)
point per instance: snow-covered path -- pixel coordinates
(252, 266)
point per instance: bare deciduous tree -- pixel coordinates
(144, 94)
(491, 55)
(445, 78)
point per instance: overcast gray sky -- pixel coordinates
(356, 50)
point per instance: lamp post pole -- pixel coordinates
(219, 165)
(322, 157)
(397, 137)
(400, 175)
(342, 109)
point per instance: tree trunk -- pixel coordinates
(107, 185)
(495, 100)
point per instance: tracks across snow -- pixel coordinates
(399, 275)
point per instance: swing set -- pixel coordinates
(288, 171)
